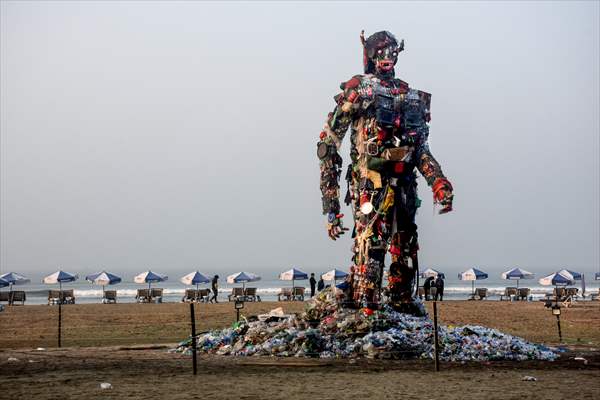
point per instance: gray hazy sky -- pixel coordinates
(182, 135)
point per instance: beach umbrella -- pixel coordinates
(433, 273)
(334, 275)
(472, 274)
(14, 279)
(575, 276)
(243, 277)
(3, 283)
(103, 278)
(195, 278)
(60, 277)
(149, 277)
(517, 273)
(556, 279)
(293, 275)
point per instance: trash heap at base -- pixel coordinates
(326, 330)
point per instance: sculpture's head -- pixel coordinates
(381, 51)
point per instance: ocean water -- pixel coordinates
(268, 289)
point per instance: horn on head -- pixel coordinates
(362, 37)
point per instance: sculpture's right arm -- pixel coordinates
(330, 141)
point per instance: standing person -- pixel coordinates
(215, 289)
(439, 285)
(313, 283)
(320, 284)
(427, 287)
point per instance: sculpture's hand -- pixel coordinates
(335, 226)
(442, 194)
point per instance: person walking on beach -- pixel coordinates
(439, 285)
(320, 284)
(427, 287)
(313, 283)
(215, 289)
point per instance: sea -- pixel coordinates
(173, 290)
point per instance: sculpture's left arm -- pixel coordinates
(430, 168)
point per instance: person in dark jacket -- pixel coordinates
(313, 283)
(427, 287)
(320, 284)
(215, 289)
(439, 285)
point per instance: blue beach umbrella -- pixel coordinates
(60, 277)
(103, 278)
(517, 273)
(334, 275)
(430, 272)
(3, 283)
(14, 279)
(293, 275)
(149, 277)
(556, 279)
(472, 274)
(195, 278)
(243, 277)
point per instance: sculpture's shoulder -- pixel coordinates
(353, 83)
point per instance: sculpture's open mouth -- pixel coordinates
(385, 65)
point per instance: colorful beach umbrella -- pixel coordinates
(334, 275)
(103, 278)
(518, 274)
(60, 277)
(150, 277)
(14, 279)
(556, 279)
(472, 274)
(243, 278)
(195, 278)
(293, 275)
(430, 272)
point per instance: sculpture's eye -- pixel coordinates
(379, 51)
(395, 54)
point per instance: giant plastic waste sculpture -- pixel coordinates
(388, 122)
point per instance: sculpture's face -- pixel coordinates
(386, 58)
(381, 51)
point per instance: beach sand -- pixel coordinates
(118, 334)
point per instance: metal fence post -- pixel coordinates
(193, 320)
(59, 322)
(435, 338)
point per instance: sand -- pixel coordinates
(99, 342)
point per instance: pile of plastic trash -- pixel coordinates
(327, 330)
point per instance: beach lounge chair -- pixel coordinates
(54, 297)
(286, 293)
(509, 293)
(523, 293)
(156, 295)
(236, 293)
(203, 295)
(298, 294)
(143, 296)
(421, 292)
(110, 296)
(5, 296)
(595, 296)
(250, 295)
(481, 293)
(190, 295)
(17, 296)
(68, 296)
